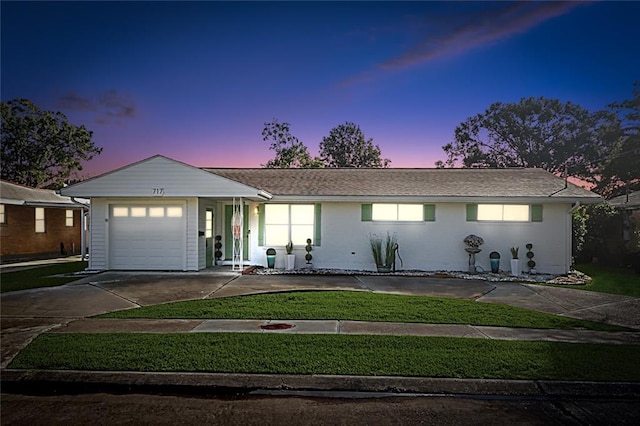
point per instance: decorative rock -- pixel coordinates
(573, 278)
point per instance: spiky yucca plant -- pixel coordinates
(383, 248)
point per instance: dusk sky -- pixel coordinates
(196, 81)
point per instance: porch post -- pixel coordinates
(237, 223)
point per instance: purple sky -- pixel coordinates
(196, 81)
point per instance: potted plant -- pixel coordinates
(308, 256)
(473, 243)
(515, 263)
(218, 246)
(494, 259)
(531, 263)
(291, 258)
(271, 258)
(383, 250)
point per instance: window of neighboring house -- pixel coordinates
(503, 212)
(3, 218)
(397, 212)
(69, 218)
(40, 220)
(288, 222)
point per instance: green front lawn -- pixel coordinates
(39, 276)
(359, 306)
(611, 280)
(332, 354)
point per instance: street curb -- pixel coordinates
(73, 381)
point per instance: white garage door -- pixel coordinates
(150, 237)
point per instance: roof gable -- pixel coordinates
(160, 176)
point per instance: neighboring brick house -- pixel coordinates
(38, 223)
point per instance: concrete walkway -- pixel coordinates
(112, 325)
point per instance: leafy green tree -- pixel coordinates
(535, 132)
(290, 151)
(596, 231)
(346, 146)
(40, 148)
(621, 166)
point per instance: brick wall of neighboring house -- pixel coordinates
(18, 235)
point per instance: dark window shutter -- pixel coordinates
(429, 212)
(318, 221)
(366, 213)
(536, 213)
(472, 212)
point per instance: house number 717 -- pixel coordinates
(158, 191)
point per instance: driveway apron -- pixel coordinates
(155, 289)
(256, 284)
(28, 313)
(427, 286)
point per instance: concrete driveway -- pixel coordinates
(26, 314)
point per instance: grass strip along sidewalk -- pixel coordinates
(359, 306)
(333, 354)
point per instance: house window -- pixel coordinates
(156, 211)
(39, 220)
(397, 212)
(174, 211)
(69, 217)
(503, 212)
(288, 222)
(120, 211)
(138, 212)
(3, 218)
(208, 230)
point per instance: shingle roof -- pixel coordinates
(513, 182)
(631, 202)
(11, 193)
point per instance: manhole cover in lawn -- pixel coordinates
(277, 326)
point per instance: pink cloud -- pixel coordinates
(454, 35)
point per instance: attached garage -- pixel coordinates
(152, 215)
(151, 237)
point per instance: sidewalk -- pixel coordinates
(111, 325)
(19, 265)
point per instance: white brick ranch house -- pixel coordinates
(161, 214)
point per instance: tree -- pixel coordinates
(562, 138)
(621, 166)
(290, 152)
(41, 148)
(596, 230)
(346, 147)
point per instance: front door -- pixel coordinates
(208, 235)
